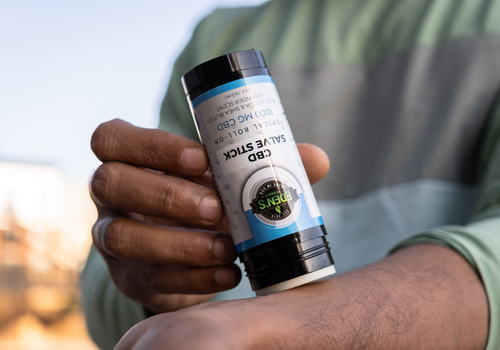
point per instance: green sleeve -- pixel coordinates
(212, 37)
(108, 312)
(479, 241)
(174, 113)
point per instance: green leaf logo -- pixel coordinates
(278, 209)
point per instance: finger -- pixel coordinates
(128, 188)
(315, 160)
(143, 281)
(206, 179)
(134, 334)
(127, 239)
(103, 210)
(118, 140)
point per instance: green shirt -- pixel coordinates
(402, 95)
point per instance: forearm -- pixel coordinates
(422, 297)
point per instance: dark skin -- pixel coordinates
(144, 214)
(162, 233)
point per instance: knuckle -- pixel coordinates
(103, 140)
(103, 180)
(177, 249)
(96, 229)
(168, 199)
(149, 277)
(190, 281)
(114, 238)
(118, 274)
(125, 280)
(197, 281)
(153, 151)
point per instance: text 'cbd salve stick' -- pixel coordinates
(268, 201)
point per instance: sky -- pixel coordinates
(68, 65)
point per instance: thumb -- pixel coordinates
(315, 161)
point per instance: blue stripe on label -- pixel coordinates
(249, 243)
(272, 234)
(230, 86)
(263, 233)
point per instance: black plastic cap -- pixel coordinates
(223, 69)
(287, 257)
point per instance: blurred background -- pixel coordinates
(65, 67)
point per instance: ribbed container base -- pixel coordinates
(289, 261)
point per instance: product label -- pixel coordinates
(256, 165)
(274, 200)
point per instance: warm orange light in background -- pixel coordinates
(45, 223)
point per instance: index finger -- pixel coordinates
(120, 141)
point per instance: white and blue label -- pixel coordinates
(256, 165)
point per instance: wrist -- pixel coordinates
(320, 315)
(421, 297)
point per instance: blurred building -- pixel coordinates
(47, 214)
(45, 224)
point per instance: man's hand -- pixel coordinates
(161, 228)
(422, 297)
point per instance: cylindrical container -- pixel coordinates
(272, 213)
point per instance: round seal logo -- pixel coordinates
(274, 200)
(272, 197)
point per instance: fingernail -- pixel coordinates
(222, 249)
(209, 208)
(192, 159)
(224, 276)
